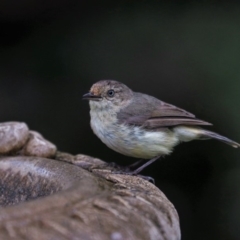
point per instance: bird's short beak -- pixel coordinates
(90, 96)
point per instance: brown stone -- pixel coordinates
(52, 199)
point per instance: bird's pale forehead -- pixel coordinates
(95, 89)
(99, 87)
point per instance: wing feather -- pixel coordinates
(172, 121)
(151, 113)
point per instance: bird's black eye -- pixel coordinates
(110, 93)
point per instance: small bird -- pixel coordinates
(141, 126)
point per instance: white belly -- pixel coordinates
(132, 140)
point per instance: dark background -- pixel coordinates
(183, 52)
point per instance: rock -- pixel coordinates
(59, 200)
(13, 135)
(38, 146)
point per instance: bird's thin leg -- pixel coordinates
(135, 164)
(138, 170)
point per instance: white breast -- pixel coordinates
(130, 140)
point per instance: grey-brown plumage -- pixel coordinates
(139, 125)
(153, 113)
(157, 114)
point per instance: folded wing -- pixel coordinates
(151, 113)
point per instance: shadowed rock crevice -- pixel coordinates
(16, 188)
(27, 178)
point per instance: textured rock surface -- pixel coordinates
(90, 203)
(13, 135)
(16, 139)
(38, 146)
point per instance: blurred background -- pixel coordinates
(184, 52)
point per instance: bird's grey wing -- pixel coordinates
(153, 123)
(151, 113)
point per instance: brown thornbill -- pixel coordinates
(142, 126)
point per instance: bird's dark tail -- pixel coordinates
(208, 134)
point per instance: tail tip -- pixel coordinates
(236, 145)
